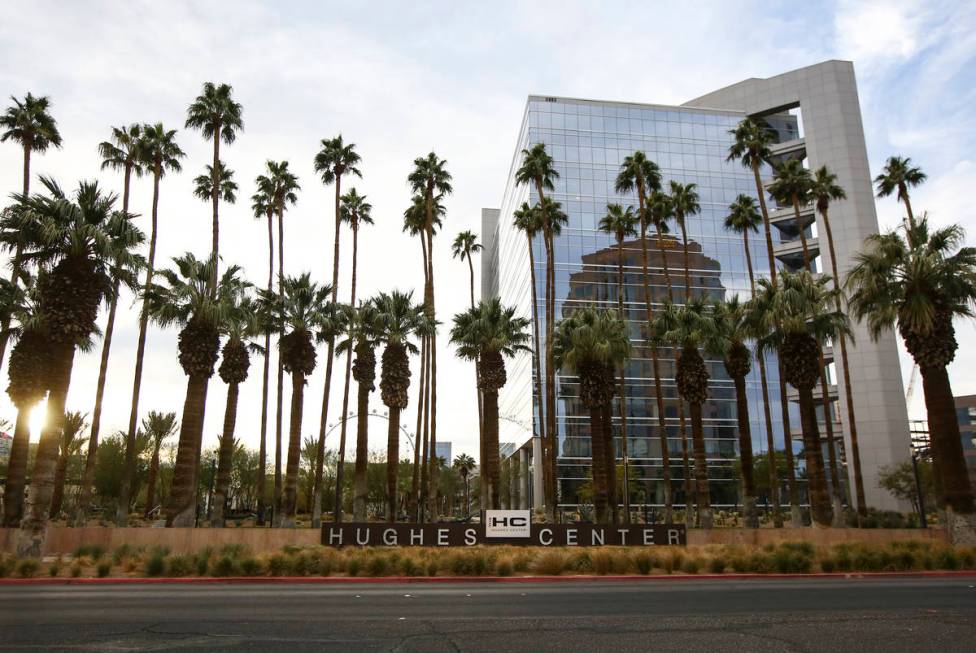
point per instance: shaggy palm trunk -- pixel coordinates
(181, 503)
(537, 372)
(820, 510)
(361, 490)
(129, 469)
(392, 463)
(60, 474)
(610, 462)
(956, 492)
(745, 452)
(796, 516)
(491, 445)
(692, 382)
(34, 527)
(265, 378)
(225, 457)
(701, 466)
(151, 481)
(290, 501)
(551, 446)
(13, 493)
(598, 454)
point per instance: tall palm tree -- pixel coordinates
(218, 117)
(159, 154)
(354, 211)
(641, 175)
(79, 239)
(281, 186)
(241, 324)
(336, 159)
(918, 282)
(620, 224)
(119, 153)
(184, 299)
(791, 185)
(684, 203)
(361, 338)
(824, 190)
(397, 321)
(29, 123)
(897, 176)
(157, 426)
(752, 138)
(430, 179)
(743, 218)
(528, 220)
(263, 207)
(489, 332)
(732, 331)
(793, 315)
(690, 326)
(591, 344)
(464, 463)
(299, 313)
(203, 184)
(538, 170)
(69, 447)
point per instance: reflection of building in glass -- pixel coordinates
(588, 140)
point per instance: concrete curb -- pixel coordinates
(430, 580)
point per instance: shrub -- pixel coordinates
(6, 566)
(580, 562)
(410, 567)
(75, 570)
(377, 565)
(716, 564)
(827, 565)
(103, 569)
(93, 551)
(156, 563)
(278, 564)
(225, 565)
(691, 565)
(297, 563)
(233, 550)
(54, 570)
(504, 567)
(251, 566)
(522, 561)
(122, 552)
(181, 565)
(792, 558)
(550, 563)
(202, 560)
(354, 566)
(644, 561)
(432, 567)
(28, 567)
(673, 561)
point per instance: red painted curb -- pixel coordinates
(340, 580)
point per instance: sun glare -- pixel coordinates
(37, 419)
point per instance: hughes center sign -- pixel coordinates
(502, 527)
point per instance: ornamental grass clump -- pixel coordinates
(645, 561)
(550, 563)
(225, 565)
(504, 567)
(28, 567)
(103, 569)
(278, 564)
(181, 565)
(155, 564)
(93, 551)
(251, 566)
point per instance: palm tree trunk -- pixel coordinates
(551, 442)
(361, 491)
(129, 468)
(13, 492)
(16, 264)
(491, 445)
(34, 527)
(215, 200)
(538, 370)
(340, 469)
(225, 457)
(610, 461)
(796, 517)
(392, 463)
(956, 492)
(745, 453)
(151, 482)
(598, 454)
(700, 501)
(820, 510)
(61, 471)
(327, 390)
(263, 451)
(425, 446)
(290, 501)
(477, 366)
(684, 245)
(623, 384)
(421, 393)
(703, 496)
(432, 457)
(181, 503)
(279, 407)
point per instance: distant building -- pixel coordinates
(6, 440)
(443, 450)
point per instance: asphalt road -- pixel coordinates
(833, 615)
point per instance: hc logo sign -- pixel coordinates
(507, 523)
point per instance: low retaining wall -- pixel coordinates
(63, 540)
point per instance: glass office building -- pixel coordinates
(817, 120)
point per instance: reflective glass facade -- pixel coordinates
(588, 141)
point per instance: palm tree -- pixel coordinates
(119, 153)
(464, 463)
(361, 338)
(281, 186)
(159, 154)
(793, 315)
(218, 117)
(684, 203)
(489, 332)
(918, 282)
(30, 124)
(638, 173)
(203, 184)
(691, 327)
(620, 224)
(898, 175)
(824, 190)
(157, 426)
(752, 139)
(263, 207)
(592, 344)
(538, 170)
(79, 239)
(730, 320)
(354, 211)
(241, 324)
(397, 320)
(184, 299)
(68, 448)
(299, 314)
(792, 185)
(743, 218)
(335, 159)
(430, 179)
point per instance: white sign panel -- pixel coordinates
(508, 523)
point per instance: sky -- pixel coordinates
(402, 79)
